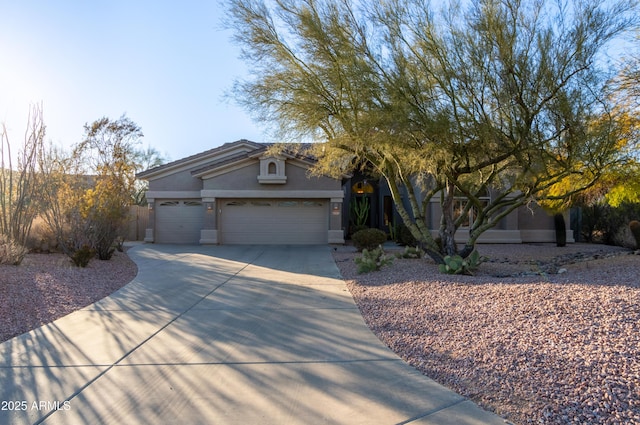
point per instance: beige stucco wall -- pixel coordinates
(246, 178)
(182, 180)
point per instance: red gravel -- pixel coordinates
(535, 349)
(46, 287)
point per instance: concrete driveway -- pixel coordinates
(221, 335)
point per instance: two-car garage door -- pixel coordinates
(273, 221)
(246, 221)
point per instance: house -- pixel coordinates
(240, 193)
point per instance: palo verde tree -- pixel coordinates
(493, 96)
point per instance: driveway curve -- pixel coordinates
(221, 335)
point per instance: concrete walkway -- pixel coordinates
(220, 335)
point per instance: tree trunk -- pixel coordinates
(447, 224)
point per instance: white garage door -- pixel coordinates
(179, 221)
(274, 221)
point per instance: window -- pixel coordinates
(272, 169)
(312, 204)
(459, 204)
(288, 204)
(362, 187)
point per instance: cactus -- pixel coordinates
(372, 260)
(360, 211)
(634, 225)
(561, 230)
(411, 252)
(455, 264)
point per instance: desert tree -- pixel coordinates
(108, 152)
(449, 103)
(89, 188)
(19, 178)
(145, 158)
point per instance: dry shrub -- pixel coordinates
(41, 239)
(11, 252)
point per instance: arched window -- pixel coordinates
(272, 170)
(362, 187)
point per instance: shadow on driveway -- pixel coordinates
(221, 334)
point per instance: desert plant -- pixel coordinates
(357, 227)
(372, 260)
(11, 252)
(360, 211)
(82, 256)
(561, 229)
(603, 223)
(634, 225)
(368, 238)
(455, 264)
(411, 252)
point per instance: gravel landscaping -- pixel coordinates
(541, 334)
(46, 287)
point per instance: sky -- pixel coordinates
(165, 64)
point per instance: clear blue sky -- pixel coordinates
(165, 64)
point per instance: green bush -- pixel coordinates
(357, 227)
(603, 223)
(82, 256)
(372, 260)
(455, 264)
(368, 238)
(635, 231)
(11, 252)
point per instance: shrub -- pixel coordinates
(357, 227)
(368, 238)
(82, 256)
(635, 230)
(605, 224)
(372, 260)
(455, 264)
(11, 252)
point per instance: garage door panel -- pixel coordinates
(274, 221)
(179, 221)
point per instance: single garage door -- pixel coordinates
(179, 221)
(274, 221)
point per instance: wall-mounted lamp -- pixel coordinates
(150, 206)
(209, 206)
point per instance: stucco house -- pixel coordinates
(239, 193)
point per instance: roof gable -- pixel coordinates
(218, 160)
(202, 159)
